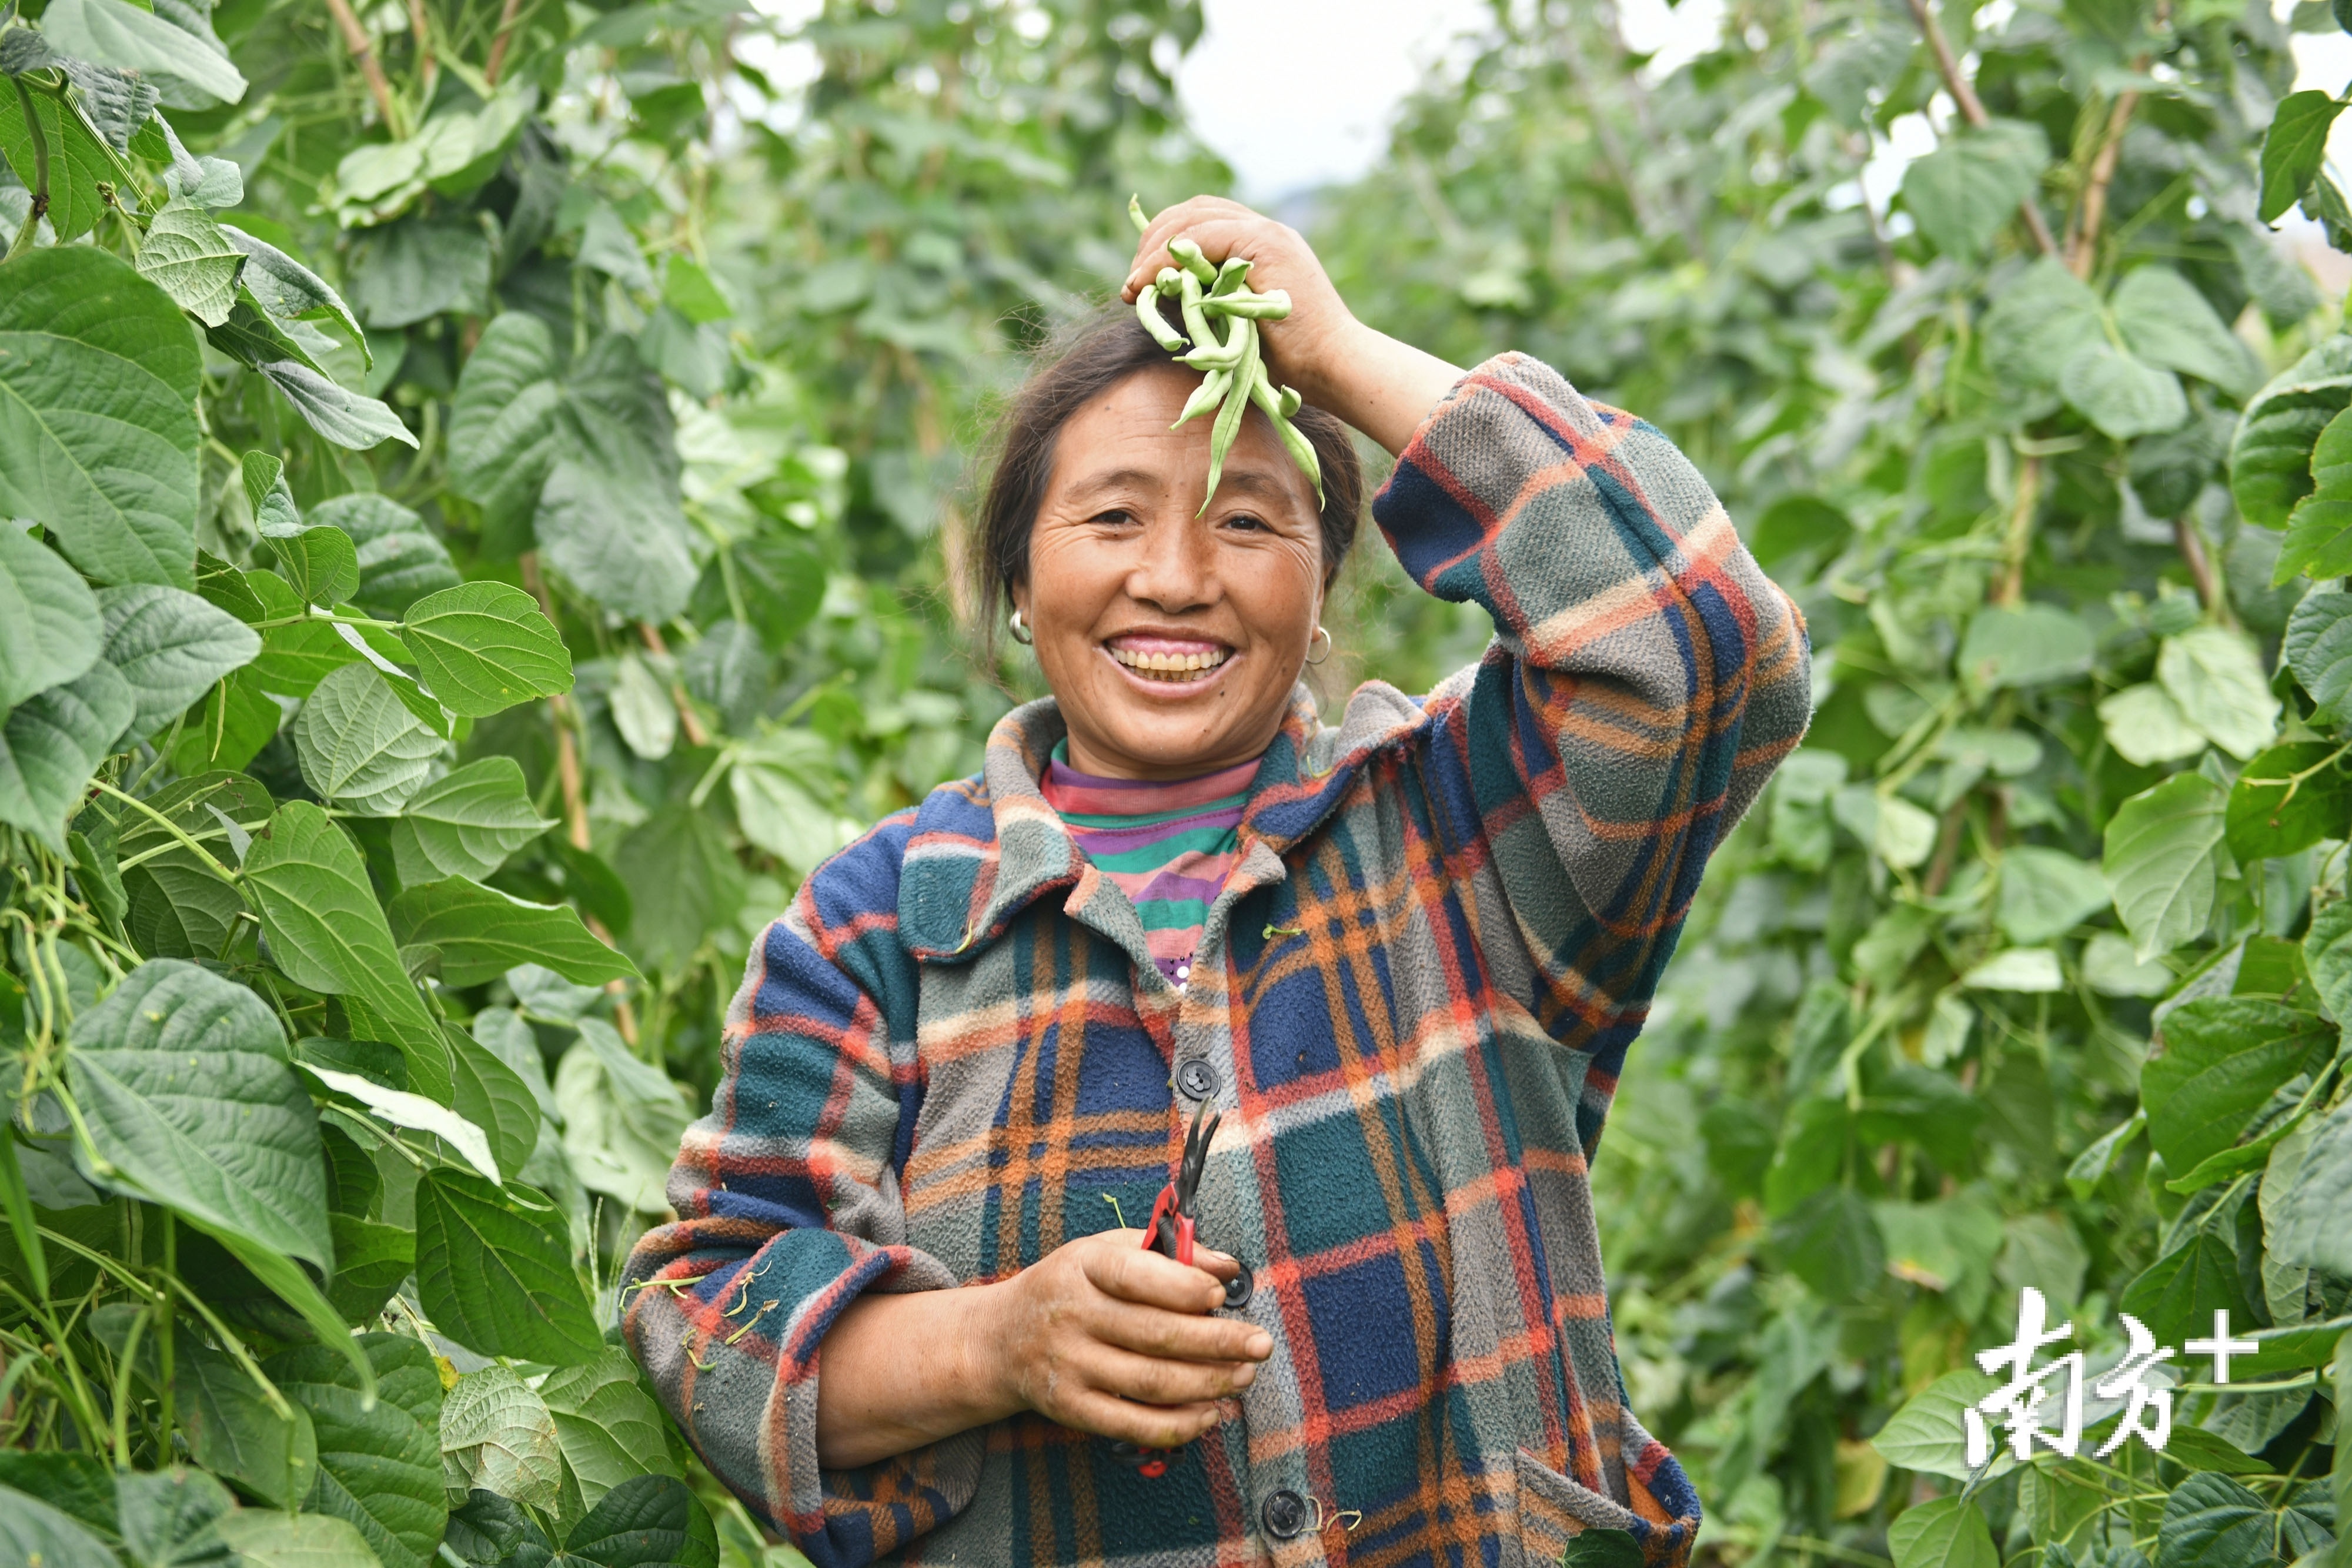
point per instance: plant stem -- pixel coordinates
(1972, 110)
(355, 40)
(2082, 247)
(40, 140)
(688, 720)
(170, 827)
(506, 15)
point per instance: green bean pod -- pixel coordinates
(1271, 306)
(1279, 408)
(1147, 311)
(1187, 257)
(1231, 276)
(1135, 213)
(1229, 418)
(1204, 396)
(1209, 351)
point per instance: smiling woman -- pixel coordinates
(1388, 971)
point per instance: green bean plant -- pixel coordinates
(467, 567)
(2029, 968)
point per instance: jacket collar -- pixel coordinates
(985, 848)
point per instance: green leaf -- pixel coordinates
(379, 1460)
(2211, 1521)
(1929, 1434)
(266, 1539)
(2270, 458)
(642, 710)
(494, 1097)
(49, 630)
(169, 645)
(497, 1434)
(1830, 1242)
(2327, 953)
(2318, 646)
(416, 268)
(98, 429)
(232, 1430)
(691, 292)
(495, 1276)
(328, 933)
(188, 256)
(294, 659)
(683, 881)
(289, 291)
(2144, 726)
(2030, 645)
(228, 725)
(2123, 395)
(32, 1532)
(617, 535)
(2216, 676)
(180, 907)
(167, 1518)
(359, 747)
(2318, 541)
(2180, 1293)
(610, 1428)
(2272, 812)
(80, 159)
(466, 823)
(1962, 192)
(1944, 1532)
(502, 1032)
(482, 933)
(2165, 321)
(322, 563)
(2163, 858)
(652, 1521)
(2038, 323)
(115, 34)
(371, 1261)
(2222, 1057)
(2310, 1228)
(190, 1097)
(351, 420)
(403, 1109)
(485, 646)
(2046, 892)
(2293, 149)
(399, 559)
(52, 744)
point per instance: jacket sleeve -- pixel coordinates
(1645, 679)
(788, 1203)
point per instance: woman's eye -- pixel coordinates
(1115, 518)
(1245, 520)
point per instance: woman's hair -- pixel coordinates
(1076, 366)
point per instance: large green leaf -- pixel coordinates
(294, 658)
(466, 823)
(371, 1261)
(265, 1540)
(403, 1109)
(2318, 646)
(80, 158)
(98, 429)
(494, 1097)
(170, 645)
(1963, 191)
(51, 744)
(2222, 1059)
(2041, 320)
(2178, 1294)
(2318, 539)
(2122, 394)
(498, 1435)
(614, 531)
(496, 1276)
(361, 747)
(49, 629)
(482, 933)
(2216, 676)
(1945, 1532)
(233, 1430)
(189, 1093)
(32, 1532)
(622, 1118)
(2031, 644)
(2310, 1228)
(2165, 321)
(652, 1521)
(180, 907)
(609, 1426)
(351, 420)
(2163, 853)
(379, 1467)
(417, 268)
(2294, 148)
(1929, 1434)
(2287, 799)
(114, 33)
(191, 258)
(167, 1518)
(2270, 459)
(502, 1032)
(327, 932)
(289, 291)
(228, 725)
(485, 646)
(683, 880)
(2046, 892)
(399, 559)
(2212, 1521)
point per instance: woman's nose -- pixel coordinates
(1174, 572)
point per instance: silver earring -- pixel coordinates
(1021, 632)
(1318, 631)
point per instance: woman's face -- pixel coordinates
(1172, 640)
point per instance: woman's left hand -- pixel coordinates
(1380, 386)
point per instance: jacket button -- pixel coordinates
(1239, 1288)
(1196, 1079)
(1283, 1514)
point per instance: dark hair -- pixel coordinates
(1073, 369)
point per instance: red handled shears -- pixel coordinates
(1171, 1233)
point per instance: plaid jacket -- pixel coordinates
(1413, 999)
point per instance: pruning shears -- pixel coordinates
(1171, 1232)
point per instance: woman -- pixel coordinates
(1401, 959)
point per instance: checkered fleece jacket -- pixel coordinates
(1414, 996)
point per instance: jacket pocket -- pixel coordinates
(1662, 1517)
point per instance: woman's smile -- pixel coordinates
(1164, 661)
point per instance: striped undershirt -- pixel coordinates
(1169, 846)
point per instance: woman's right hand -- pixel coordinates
(1104, 1337)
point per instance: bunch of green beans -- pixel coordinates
(1232, 369)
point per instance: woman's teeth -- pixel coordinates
(1168, 667)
